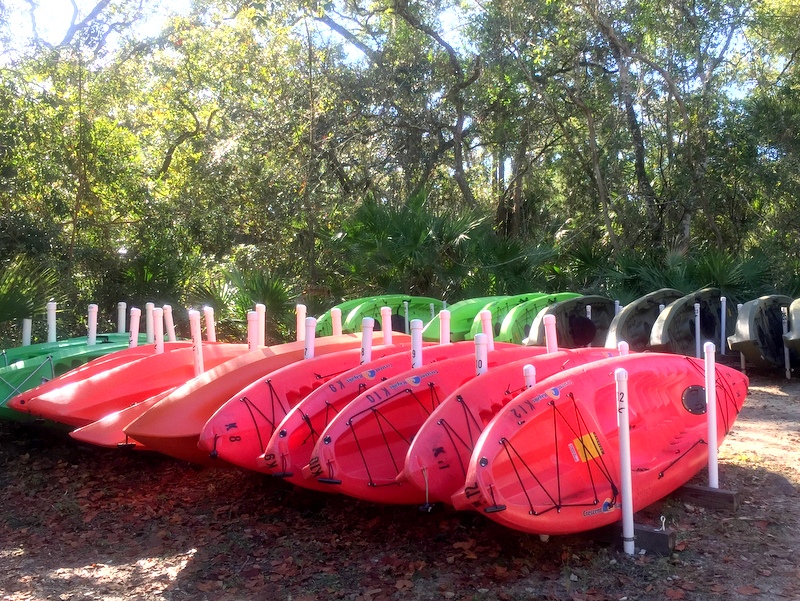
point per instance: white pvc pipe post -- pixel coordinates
(252, 330)
(133, 336)
(661, 307)
(711, 411)
(91, 337)
(786, 360)
(486, 327)
(27, 327)
(416, 343)
(300, 316)
(444, 326)
(261, 312)
(405, 312)
(550, 334)
(723, 318)
(481, 354)
(169, 323)
(310, 332)
(51, 322)
(623, 348)
(336, 321)
(158, 329)
(626, 480)
(211, 328)
(121, 311)
(367, 328)
(742, 361)
(617, 307)
(529, 373)
(589, 316)
(697, 343)
(386, 324)
(197, 341)
(148, 322)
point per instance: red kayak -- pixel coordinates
(94, 367)
(290, 446)
(436, 462)
(173, 425)
(362, 450)
(239, 430)
(83, 401)
(549, 462)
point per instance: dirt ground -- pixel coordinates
(81, 523)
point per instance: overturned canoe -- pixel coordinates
(759, 330)
(635, 320)
(674, 329)
(580, 321)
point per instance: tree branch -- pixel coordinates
(76, 26)
(348, 35)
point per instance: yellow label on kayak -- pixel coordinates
(588, 447)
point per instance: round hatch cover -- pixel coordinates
(694, 400)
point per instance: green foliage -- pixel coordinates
(25, 289)
(408, 248)
(356, 148)
(255, 286)
(739, 278)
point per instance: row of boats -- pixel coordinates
(525, 433)
(667, 320)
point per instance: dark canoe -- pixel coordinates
(635, 320)
(792, 337)
(674, 330)
(759, 330)
(573, 326)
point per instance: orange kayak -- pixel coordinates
(173, 425)
(240, 429)
(81, 402)
(93, 367)
(362, 450)
(437, 460)
(548, 463)
(290, 446)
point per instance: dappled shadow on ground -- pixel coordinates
(83, 523)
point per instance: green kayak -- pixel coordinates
(419, 307)
(462, 314)
(324, 321)
(28, 373)
(499, 309)
(20, 353)
(516, 325)
(353, 311)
